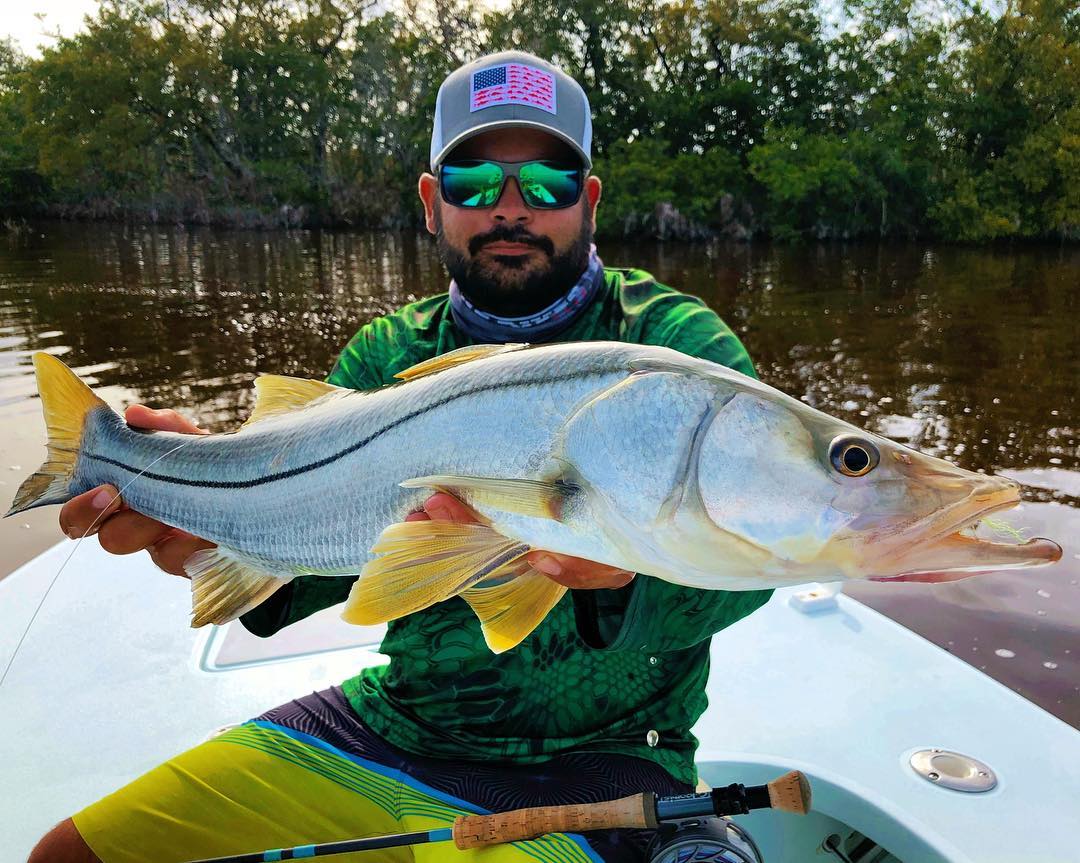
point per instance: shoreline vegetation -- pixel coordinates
(785, 119)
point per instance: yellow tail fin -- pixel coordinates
(65, 401)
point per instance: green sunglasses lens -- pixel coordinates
(471, 184)
(545, 184)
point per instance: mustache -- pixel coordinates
(510, 235)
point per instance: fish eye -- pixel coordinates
(853, 456)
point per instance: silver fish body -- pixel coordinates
(313, 490)
(635, 456)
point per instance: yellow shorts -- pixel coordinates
(309, 772)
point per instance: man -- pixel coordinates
(598, 701)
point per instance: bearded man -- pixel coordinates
(597, 703)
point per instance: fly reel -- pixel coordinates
(702, 840)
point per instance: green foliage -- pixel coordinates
(640, 176)
(809, 178)
(1013, 156)
(21, 186)
(748, 116)
(636, 178)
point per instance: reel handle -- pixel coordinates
(471, 831)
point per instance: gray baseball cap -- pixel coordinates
(506, 90)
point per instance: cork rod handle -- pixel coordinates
(471, 831)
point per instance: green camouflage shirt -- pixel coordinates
(605, 667)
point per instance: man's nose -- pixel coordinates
(511, 206)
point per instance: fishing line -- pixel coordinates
(78, 542)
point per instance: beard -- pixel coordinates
(514, 285)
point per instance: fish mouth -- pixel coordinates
(952, 551)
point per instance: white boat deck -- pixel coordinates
(110, 681)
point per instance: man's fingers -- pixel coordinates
(88, 511)
(445, 507)
(140, 416)
(170, 552)
(122, 530)
(130, 531)
(576, 572)
(565, 569)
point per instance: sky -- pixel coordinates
(18, 21)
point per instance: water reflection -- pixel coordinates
(187, 317)
(971, 354)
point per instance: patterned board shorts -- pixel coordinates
(311, 772)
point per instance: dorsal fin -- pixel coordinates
(278, 394)
(456, 358)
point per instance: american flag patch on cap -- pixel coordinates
(512, 84)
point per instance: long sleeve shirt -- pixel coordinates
(607, 670)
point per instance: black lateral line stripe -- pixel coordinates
(296, 471)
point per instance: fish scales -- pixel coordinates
(317, 494)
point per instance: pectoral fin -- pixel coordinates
(511, 609)
(525, 496)
(224, 586)
(420, 563)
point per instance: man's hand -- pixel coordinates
(570, 571)
(120, 529)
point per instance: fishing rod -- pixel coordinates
(789, 793)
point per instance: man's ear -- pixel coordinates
(593, 189)
(428, 188)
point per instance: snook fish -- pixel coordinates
(635, 456)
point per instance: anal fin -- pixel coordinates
(224, 586)
(511, 609)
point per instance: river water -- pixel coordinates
(970, 354)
